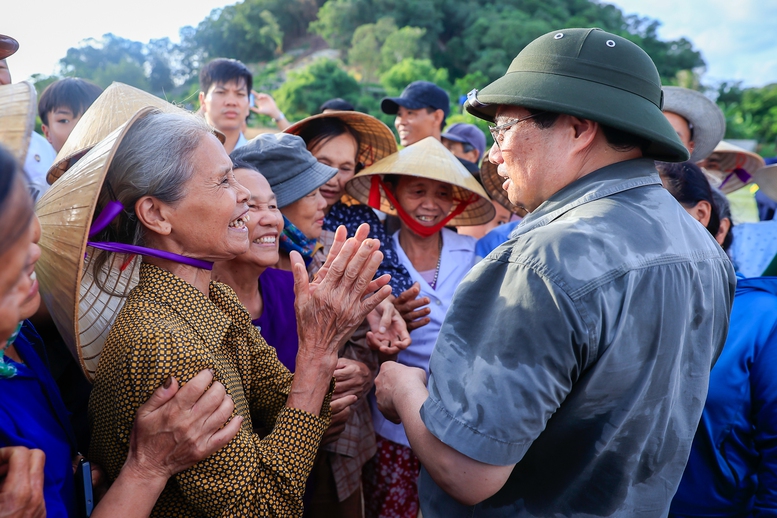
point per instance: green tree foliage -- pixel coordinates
(307, 89)
(366, 45)
(107, 60)
(253, 30)
(467, 36)
(751, 113)
(402, 44)
(408, 70)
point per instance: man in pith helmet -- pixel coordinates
(571, 370)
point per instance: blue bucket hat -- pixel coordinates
(284, 160)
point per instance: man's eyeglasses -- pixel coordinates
(498, 132)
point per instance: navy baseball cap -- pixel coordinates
(467, 134)
(417, 95)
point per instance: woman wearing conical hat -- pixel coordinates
(37, 444)
(428, 188)
(350, 141)
(167, 206)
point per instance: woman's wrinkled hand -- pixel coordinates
(408, 304)
(21, 482)
(388, 331)
(176, 428)
(331, 307)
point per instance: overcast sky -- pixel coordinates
(738, 40)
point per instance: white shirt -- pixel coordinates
(241, 141)
(457, 258)
(40, 156)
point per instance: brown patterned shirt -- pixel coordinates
(169, 328)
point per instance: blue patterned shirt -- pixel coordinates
(351, 216)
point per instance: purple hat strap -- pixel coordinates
(108, 214)
(740, 173)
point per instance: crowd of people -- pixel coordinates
(329, 321)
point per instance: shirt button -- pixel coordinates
(438, 302)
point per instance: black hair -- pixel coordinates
(73, 93)
(10, 176)
(723, 207)
(238, 163)
(336, 104)
(319, 131)
(687, 183)
(617, 139)
(222, 71)
(392, 180)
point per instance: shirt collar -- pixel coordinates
(209, 316)
(601, 183)
(241, 141)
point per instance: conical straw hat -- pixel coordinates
(82, 311)
(427, 158)
(376, 140)
(492, 182)
(766, 178)
(115, 106)
(17, 117)
(732, 161)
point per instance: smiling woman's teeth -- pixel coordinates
(425, 218)
(266, 240)
(240, 222)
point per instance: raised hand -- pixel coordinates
(388, 330)
(408, 304)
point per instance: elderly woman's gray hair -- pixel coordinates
(153, 159)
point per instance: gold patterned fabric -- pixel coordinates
(169, 328)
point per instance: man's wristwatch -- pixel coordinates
(280, 117)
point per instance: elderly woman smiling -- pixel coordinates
(183, 204)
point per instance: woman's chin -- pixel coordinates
(264, 259)
(30, 306)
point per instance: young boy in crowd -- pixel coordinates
(61, 106)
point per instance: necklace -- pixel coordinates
(437, 270)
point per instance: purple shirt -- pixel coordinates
(278, 322)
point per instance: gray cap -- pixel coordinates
(708, 124)
(283, 159)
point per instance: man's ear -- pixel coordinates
(584, 131)
(154, 215)
(702, 212)
(45, 130)
(439, 116)
(201, 98)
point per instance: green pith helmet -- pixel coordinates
(591, 74)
